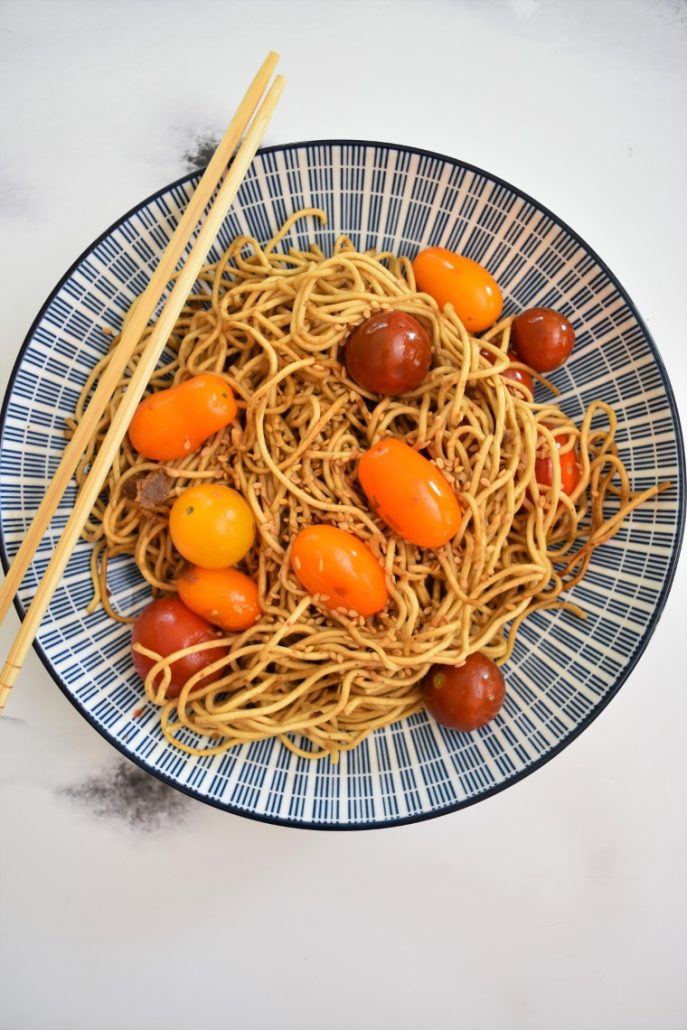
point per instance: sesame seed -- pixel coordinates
(297, 563)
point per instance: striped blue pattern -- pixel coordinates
(563, 671)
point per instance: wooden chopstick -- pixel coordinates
(136, 386)
(132, 332)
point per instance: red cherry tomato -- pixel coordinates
(543, 338)
(468, 286)
(517, 375)
(570, 470)
(409, 493)
(464, 697)
(340, 568)
(173, 423)
(166, 626)
(389, 353)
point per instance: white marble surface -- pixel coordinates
(558, 904)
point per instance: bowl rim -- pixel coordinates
(655, 616)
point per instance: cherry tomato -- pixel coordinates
(453, 279)
(166, 626)
(212, 526)
(340, 568)
(570, 470)
(464, 697)
(543, 338)
(517, 375)
(173, 423)
(409, 493)
(389, 353)
(225, 597)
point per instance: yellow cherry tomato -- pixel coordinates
(211, 526)
(460, 281)
(225, 597)
(340, 568)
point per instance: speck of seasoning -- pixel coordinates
(189, 510)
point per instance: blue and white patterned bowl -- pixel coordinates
(562, 672)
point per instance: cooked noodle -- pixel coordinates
(273, 324)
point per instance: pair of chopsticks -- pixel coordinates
(217, 177)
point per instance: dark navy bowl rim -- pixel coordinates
(660, 604)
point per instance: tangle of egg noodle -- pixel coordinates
(273, 324)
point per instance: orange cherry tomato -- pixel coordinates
(409, 493)
(570, 470)
(453, 279)
(340, 568)
(212, 526)
(225, 597)
(173, 423)
(166, 626)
